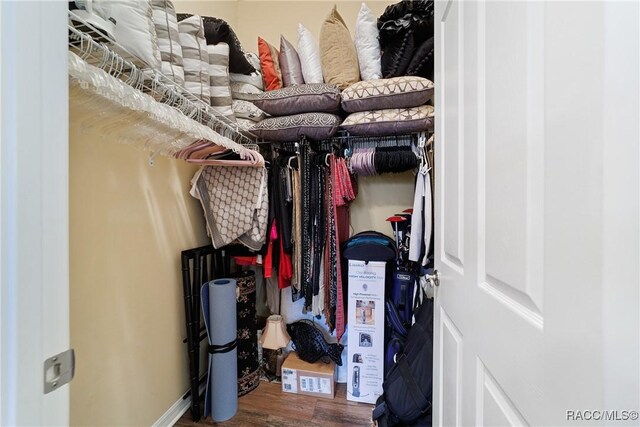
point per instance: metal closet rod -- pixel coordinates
(354, 141)
(131, 70)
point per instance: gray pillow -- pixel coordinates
(395, 121)
(315, 126)
(314, 97)
(290, 64)
(379, 94)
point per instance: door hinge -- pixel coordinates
(59, 370)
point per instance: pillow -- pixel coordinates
(309, 55)
(315, 126)
(246, 110)
(245, 91)
(337, 52)
(397, 92)
(254, 78)
(316, 97)
(396, 121)
(219, 79)
(422, 62)
(245, 124)
(195, 57)
(289, 64)
(397, 55)
(367, 44)
(164, 18)
(135, 30)
(218, 31)
(270, 65)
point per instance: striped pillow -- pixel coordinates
(195, 57)
(219, 79)
(166, 23)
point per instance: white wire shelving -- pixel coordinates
(97, 62)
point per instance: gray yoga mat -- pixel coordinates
(219, 310)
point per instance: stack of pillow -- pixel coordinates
(392, 106)
(306, 109)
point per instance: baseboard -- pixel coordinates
(177, 410)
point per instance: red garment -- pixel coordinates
(285, 269)
(246, 260)
(268, 258)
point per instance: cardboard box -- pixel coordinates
(312, 379)
(365, 352)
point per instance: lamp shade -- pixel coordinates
(275, 334)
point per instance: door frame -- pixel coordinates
(34, 212)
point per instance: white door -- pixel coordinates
(537, 226)
(34, 274)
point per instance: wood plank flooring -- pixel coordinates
(269, 406)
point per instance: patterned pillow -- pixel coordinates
(315, 97)
(246, 110)
(245, 91)
(195, 57)
(315, 126)
(219, 79)
(164, 18)
(289, 64)
(337, 52)
(397, 92)
(396, 121)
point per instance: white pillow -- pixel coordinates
(195, 57)
(244, 91)
(246, 110)
(367, 44)
(164, 18)
(309, 55)
(135, 29)
(219, 79)
(254, 78)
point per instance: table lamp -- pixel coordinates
(274, 337)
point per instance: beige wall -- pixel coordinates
(128, 224)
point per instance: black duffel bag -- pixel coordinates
(408, 387)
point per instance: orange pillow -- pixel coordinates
(269, 65)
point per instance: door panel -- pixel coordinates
(520, 208)
(451, 370)
(494, 408)
(453, 172)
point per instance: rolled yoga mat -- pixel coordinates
(219, 311)
(248, 362)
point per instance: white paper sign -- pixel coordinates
(365, 317)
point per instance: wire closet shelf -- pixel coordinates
(98, 50)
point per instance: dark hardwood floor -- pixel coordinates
(269, 406)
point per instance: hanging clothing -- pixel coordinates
(421, 227)
(296, 232)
